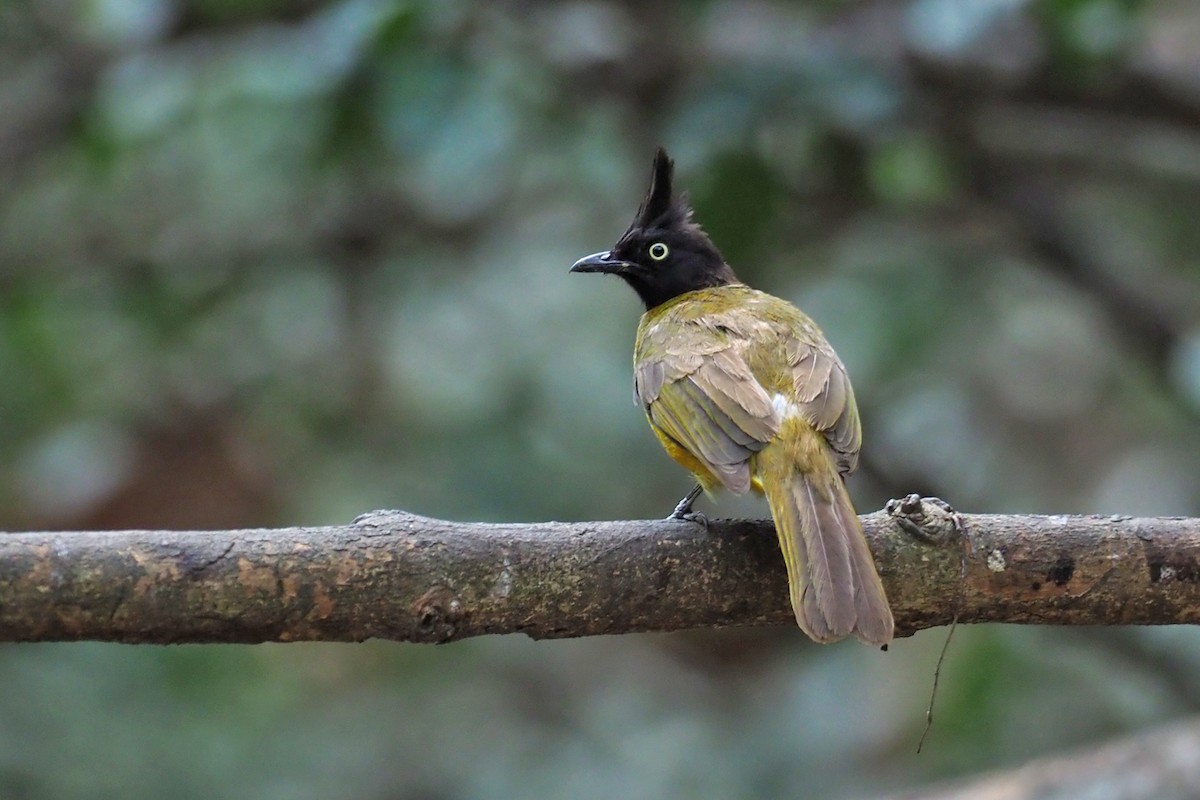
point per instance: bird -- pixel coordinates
(743, 390)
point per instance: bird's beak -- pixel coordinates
(600, 262)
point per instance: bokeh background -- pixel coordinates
(274, 262)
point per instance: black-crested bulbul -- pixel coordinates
(743, 390)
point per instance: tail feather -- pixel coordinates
(874, 623)
(805, 605)
(835, 588)
(829, 577)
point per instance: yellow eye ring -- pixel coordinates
(658, 251)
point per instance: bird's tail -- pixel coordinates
(835, 589)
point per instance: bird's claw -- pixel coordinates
(689, 516)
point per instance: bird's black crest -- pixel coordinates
(660, 209)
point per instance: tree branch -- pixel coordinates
(1160, 763)
(398, 576)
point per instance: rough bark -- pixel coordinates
(398, 576)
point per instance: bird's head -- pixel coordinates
(664, 253)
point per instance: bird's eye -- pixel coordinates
(658, 251)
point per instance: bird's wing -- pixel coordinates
(697, 389)
(824, 397)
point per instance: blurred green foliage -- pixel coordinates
(284, 262)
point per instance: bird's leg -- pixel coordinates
(684, 508)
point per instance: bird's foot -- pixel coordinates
(691, 516)
(930, 519)
(683, 510)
